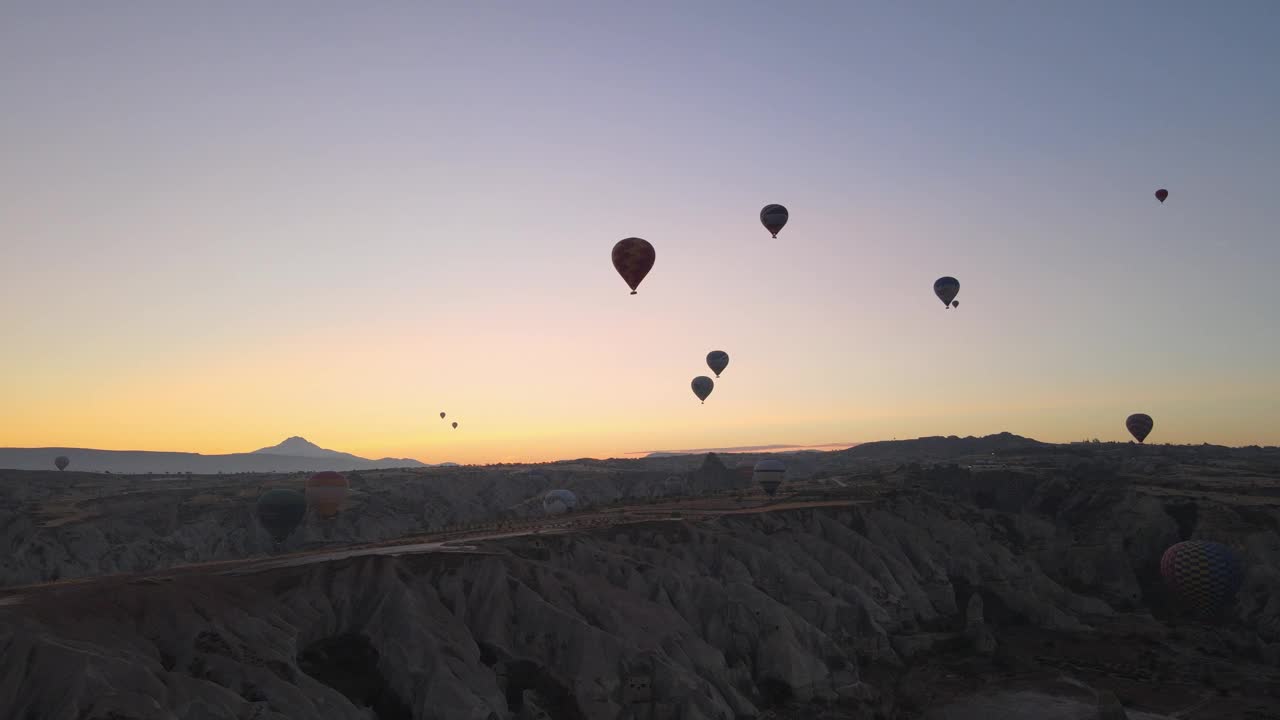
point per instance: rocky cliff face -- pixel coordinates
(55, 526)
(778, 614)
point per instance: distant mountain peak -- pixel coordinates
(298, 446)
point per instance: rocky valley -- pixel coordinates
(944, 578)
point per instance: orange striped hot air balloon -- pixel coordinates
(326, 491)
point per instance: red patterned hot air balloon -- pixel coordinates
(633, 259)
(1139, 425)
(326, 491)
(717, 360)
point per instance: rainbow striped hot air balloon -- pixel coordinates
(769, 472)
(1204, 575)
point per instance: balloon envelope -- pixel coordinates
(62, 461)
(1139, 425)
(946, 289)
(774, 217)
(633, 258)
(675, 485)
(1161, 194)
(441, 416)
(559, 501)
(326, 491)
(280, 511)
(1204, 575)
(769, 473)
(717, 360)
(455, 425)
(702, 386)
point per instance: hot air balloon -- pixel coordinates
(675, 485)
(1204, 575)
(769, 473)
(1139, 425)
(633, 259)
(280, 511)
(717, 360)
(946, 289)
(326, 491)
(455, 424)
(62, 461)
(774, 217)
(702, 386)
(559, 501)
(441, 416)
(1161, 194)
(955, 303)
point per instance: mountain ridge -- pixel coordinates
(267, 459)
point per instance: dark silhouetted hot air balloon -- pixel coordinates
(441, 416)
(633, 259)
(62, 461)
(955, 303)
(774, 218)
(717, 360)
(455, 424)
(769, 473)
(946, 289)
(559, 501)
(280, 511)
(1161, 194)
(702, 386)
(1204, 575)
(674, 485)
(1139, 425)
(326, 491)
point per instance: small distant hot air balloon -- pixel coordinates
(280, 511)
(769, 472)
(62, 461)
(702, 386)
(946, 289)
(717, 360)
(559, 501)
(675, 485)
(1204, 575)
(633, 258)
(1161, 194)
(774, 218)
(326, 491)
(1139, 425)
(955, 303)
(441, 416)
(455, 424)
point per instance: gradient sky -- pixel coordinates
(225, 223)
